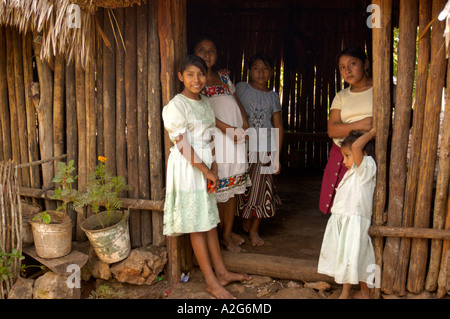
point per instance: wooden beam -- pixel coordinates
(128, 203)
(274, 266)
(411, 232)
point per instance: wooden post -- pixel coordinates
(382, 105)
(109, 94)
(131, 114)
(33, 147)
(168, 29)
(58, 106)
(154, 121)
(444, 272)
(415, 141)
(121, 147)
(441, 196)
(20, 105)
(397, 176)
(142, 121)
(43, 103)
(4, 107)
(419, 248)
(81, 130)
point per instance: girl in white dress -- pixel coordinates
(347, 253)
(230, 148)
(190, 207)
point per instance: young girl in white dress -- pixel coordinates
(347, 253)
(190, 207)
(230, 148)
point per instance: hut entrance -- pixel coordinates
(303, 40)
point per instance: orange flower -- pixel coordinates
(102, 159)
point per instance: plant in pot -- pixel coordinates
(107, 229)
(52, 230)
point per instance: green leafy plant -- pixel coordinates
(64, 192)
(102, 189)
(7, 263)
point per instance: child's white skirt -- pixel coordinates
(347, 252)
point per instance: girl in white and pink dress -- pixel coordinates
(230, 149)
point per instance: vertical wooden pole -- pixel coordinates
(109, 94)
(81, 130)
(441, 196)
(444, 272)
(58, 106)
(382, 104)
(121, 147)
(44, 110)
(20, 105)
(419, 248)
(154, 122)
(415, 141)
(4, 107)
(131, 114)
(99, 84)
(403, 103)
(33, 147)
(142, 117)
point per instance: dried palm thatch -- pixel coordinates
(50, 21)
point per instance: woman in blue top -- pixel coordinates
(263, 109)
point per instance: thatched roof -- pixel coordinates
(48, 20)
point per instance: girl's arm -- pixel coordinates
(337, 129)
(243, 113)
(189, 153)
(358, 146)
(278, 124)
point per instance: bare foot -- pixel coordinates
(226, 278)
(246, 223)
(256, 240)
(361, 295)
(238, 240)
(230, 245)
(219, 291)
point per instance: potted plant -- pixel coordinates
(52, 230)
(107, 229)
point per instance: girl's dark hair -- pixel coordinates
(263, 57)
(368, 149)
(195, 60)
(355, 52)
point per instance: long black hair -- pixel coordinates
(195, 60)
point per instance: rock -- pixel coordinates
(321, 285)
(296, 293)
(98, 268)
(22, 289)
(54, 286)
(142, 266)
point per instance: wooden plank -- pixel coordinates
(411, 232)
(438, 66)
(397, 171)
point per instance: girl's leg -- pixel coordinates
(254, 232)
(229, 239)
(200, 245)
(223, 275)
(364, 293)
(346, 292)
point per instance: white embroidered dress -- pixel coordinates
(188, 206)
(347, 252)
